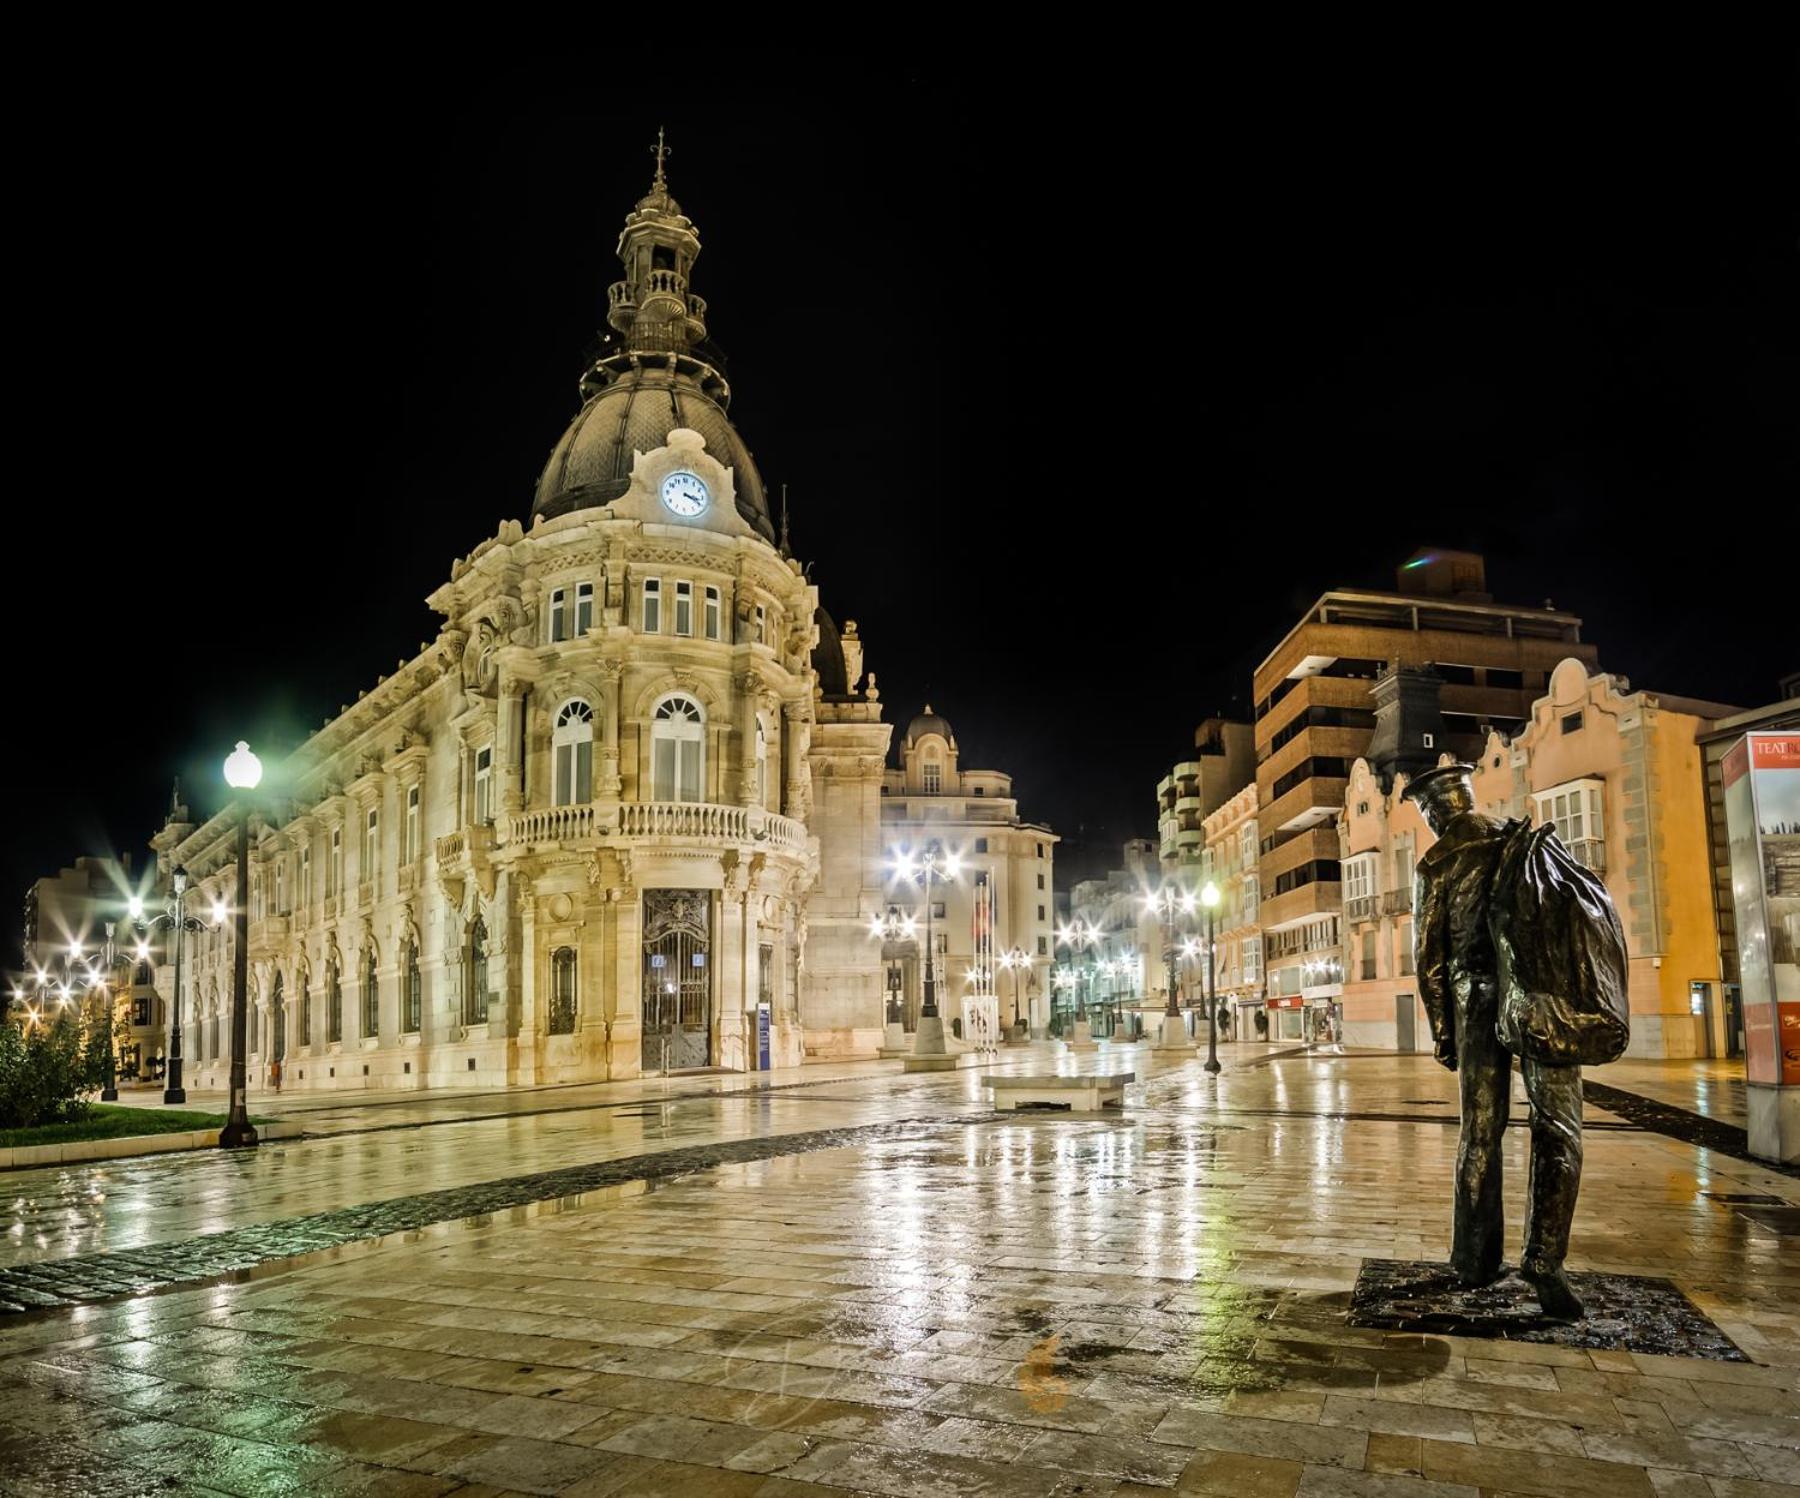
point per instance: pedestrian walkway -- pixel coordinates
(969, 1304)
(1712, 1089)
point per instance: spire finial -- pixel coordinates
(660, 151)
(785, 549)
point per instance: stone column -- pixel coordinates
(732, 974)
(609, 785)
(531, 1029)
(626, 1033)
(508, 770)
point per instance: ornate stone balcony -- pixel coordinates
(651, 820)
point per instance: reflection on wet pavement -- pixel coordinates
(983, 1304)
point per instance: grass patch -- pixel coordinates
(105, 1121)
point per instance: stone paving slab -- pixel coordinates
(209, 1256)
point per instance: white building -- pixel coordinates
(624, 814)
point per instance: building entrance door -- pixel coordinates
(1403, 1023)
(677, 979)
(1734, 1021)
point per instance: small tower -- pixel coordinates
(651, 307)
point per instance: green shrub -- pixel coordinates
(47, 1070)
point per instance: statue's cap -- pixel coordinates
(1433, 784)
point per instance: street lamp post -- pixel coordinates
(1209, 897)
(243, 772)
(180, 923)
(1082, 936)
(888, 929)
(1016, 961)
(933, 866)
(1167, 903)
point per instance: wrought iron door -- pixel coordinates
(677, 979)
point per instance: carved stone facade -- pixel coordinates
(628, 800)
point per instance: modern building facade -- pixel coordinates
(1224, 763)
(1619, 775)
(1315, 716)
(1232, 862)
(625, 813)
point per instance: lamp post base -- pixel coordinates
(893, 1041)
(237, 1136)
(928, 1039)
(174, 1095)
(1174, 1036)
(109, 1094)
(1082, 1037)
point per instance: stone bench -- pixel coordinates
(1088, 1094)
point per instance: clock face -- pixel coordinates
(684, 494)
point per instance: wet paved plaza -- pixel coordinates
(947, 1302)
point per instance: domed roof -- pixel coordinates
(828, 657)
(929, 722)
(591, 465)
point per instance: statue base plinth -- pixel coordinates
(1082, 1037)
(1625, 1312)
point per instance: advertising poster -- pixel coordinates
(1762, 820)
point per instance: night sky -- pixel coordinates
(1084, 379)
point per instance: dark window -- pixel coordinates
(413, 996)
(1571, 722)
(334, 1013)
(981, 845)
(562, 991)
(1458, 676)
(305, 1013)
(371, 998)
(1497, 677)
(475, 994)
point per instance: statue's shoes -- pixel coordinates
(1478, 1279)
(1554, 1293)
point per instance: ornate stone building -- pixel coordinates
(624, 813)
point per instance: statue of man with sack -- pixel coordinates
(1520, 953)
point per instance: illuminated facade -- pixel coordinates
(623, 815)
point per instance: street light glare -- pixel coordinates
(243, 770)
(219, 912)
(1210, 895)
(134, 907)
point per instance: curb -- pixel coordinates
(23, 1157)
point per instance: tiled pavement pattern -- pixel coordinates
(94, 1277)
(986, 1306)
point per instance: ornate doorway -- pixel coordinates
(677, 979)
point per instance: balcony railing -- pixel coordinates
(656, 819)
(1590, 852)
(1396, 902)
(1362, 908)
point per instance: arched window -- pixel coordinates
(278, 1021)
(475, 991)
(762, 764)
(573, 742)
(255, 1030)
(677, 750)
(306, 1028)
(371, 998)
(412, 997)
(143, 977)
(334, 997)
(562, 991)
(212, 1024)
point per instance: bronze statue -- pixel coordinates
(1520, 952)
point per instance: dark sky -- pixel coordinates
(1085, 378)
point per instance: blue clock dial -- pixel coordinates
(685, 494)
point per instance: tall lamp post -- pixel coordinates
(243, 773)
(1167, 903)
(888, 929)
(1017, 961)
(180, 922)
(1209, 897)
(932, 866)
(1082, 936)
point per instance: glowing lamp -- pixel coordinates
(243, 770)
(1209, 896)
(134, 907)
(219, 912)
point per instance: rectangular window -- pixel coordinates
(1253, 959)
(584, 608)
(1359, 877)
(371, 845)
(1368, 956)
(412, 1011)
(933, 780)
(981, 845)
(937, 910)
(559, 615)
(305, 877)
(762, 626)
(711, 619)
(484, 779)
(334, 873)
(1043, 946)
(1040, 912)
(1403, 870)
(1252, 894)
(281, 904)
(1040, 848)
(684, 608)
(411, 853)
(1576, 810)
(1040, 881)
(652, 605)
